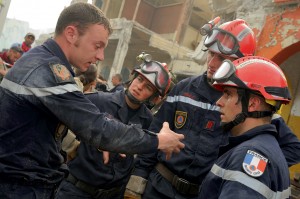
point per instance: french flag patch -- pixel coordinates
(254, 164)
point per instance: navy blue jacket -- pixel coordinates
(38, 94)
(88, 165)
(228, 179)
(119, 87)
(191, 110)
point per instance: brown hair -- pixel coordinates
(88, 76)
(81, 15)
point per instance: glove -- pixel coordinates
(131, 195)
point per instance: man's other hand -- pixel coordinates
(168, 141)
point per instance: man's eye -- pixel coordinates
(139, 78)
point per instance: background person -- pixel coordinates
(101, 84)
(252, 165)
(89, 176)
(39, 94)
(116, 81)
(28, 41)
(88, 78)
(8, 58)
(190, 109)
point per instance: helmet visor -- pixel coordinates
(161, 75)
(227, 43)
(226, 73)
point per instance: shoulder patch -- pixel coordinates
(254, 164)
(61, 73)
(180, 119)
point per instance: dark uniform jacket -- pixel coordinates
(252, 166)
(88, 165)
(191, 109)
(119, 87)
(38, 94)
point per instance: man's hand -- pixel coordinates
(105, 155)
(169, 141)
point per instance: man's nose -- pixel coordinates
(214, 60)
(100, 55)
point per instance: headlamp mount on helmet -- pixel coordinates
(144, 57)
(207, 28)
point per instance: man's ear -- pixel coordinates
(71, 34)
(254, 103)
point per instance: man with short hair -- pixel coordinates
(39, 97)
(116, 81)
(252, 164)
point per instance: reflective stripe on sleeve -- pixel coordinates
(252, 183)
(39, 92)
(276, 116)
(206, 106)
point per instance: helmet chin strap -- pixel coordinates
(244, 96)
(136, 101)
(132, 98)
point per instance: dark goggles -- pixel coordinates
(227, 43)
(226, 73)
(161, 75)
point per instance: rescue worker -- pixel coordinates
(252, 165)
(89, 177)
(190, 109)
(39, 93)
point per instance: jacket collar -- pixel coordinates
(211, 94)
(119, 99)
(236, 140)
(55, 50)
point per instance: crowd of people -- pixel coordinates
(16, 50)
(215, 135)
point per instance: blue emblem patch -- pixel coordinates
(180, 119)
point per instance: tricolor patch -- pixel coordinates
(254, 164)
(180, 119)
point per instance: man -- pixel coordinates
(8, 58)
(252, 165)
(39, 94)
(91, 178)
(116, 81)
(190, 109)
(28, 41)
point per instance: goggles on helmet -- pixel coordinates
(227, 43)
(161, 75)
(226, 73)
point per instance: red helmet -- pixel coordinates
(157, 73)
(254, 73)
(234, 38)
